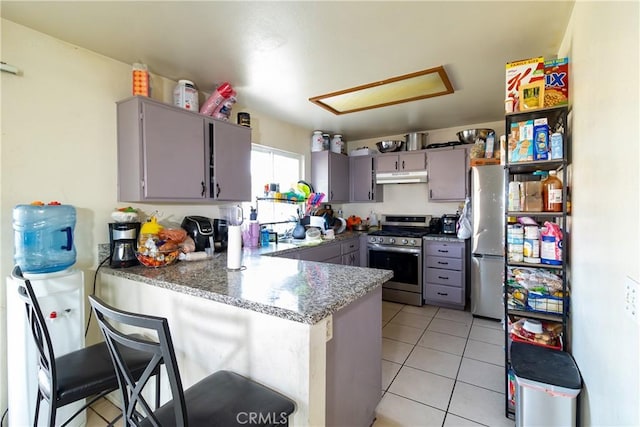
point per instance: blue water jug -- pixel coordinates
(43, 237)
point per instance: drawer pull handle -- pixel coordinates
(443, 251)
(444, 294)
(443, 278)
(443, 263)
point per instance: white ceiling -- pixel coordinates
(279, 54)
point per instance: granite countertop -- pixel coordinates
(301, 291)
(443, 238)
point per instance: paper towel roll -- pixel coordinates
(234, 248)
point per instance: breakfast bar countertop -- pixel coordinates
(301, 291)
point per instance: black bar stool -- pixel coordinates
(221, 399)
(81, 374)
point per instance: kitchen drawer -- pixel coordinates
(445, 249)
(320, 253)
(445, 294)
(442, 262)
(444, 277)
(350, 245)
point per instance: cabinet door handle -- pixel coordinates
(444, 294)
(431, 194)
(369, 196)
(217, 189)
(443, 263)
(443, 251)
(203, 188)
(403, 164)
(331, 196)
(443, 278)
(396, 165)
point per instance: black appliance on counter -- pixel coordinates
(123, 244)
(450, 224)
(397, 246)
(206, 233)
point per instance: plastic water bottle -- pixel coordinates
(43, 237)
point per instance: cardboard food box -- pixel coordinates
(540, 139)
(519, 73)
(556, 82)
(532, 196)
(521, 142)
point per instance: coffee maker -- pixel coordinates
(123, 244)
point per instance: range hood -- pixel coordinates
(401, 177)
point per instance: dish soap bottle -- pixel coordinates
(254, 229)
(552, 193)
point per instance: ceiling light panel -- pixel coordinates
(396, 90)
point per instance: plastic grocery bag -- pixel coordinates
(464, 222)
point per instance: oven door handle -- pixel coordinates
(397, 249)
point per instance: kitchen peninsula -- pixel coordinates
(306, 329)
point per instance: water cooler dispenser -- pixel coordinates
(44, 249)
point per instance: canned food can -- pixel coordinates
(244, 119)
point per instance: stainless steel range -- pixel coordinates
(397, 246)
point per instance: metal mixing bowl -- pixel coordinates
(389, 146)
(469, 136)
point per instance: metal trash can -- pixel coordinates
(547, 384)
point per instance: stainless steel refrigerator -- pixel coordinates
(487, 240)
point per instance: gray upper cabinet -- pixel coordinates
(447, 171)
(362, 180)
(229, 148)
(164, 155)
(330, 175)
(406, 161)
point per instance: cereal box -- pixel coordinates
(556, 82)
(521, 73)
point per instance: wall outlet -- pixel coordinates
(632, 299)
(329, 328)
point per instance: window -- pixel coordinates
(271, 165)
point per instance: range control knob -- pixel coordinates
(372, 239)
(380, 239)
(405, 241)
(392, 240)
(412, 242)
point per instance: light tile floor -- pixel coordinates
(440, 367)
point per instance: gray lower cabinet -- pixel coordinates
(354, 371)
(330, 175)
(350, 250)
(345, 252)
(445, 273)
(168, 154)
(447, 170)
(362, 180)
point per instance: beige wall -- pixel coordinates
(59, 143)
(602, 43)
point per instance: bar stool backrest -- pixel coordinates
(136, 407)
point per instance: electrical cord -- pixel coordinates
(93, 292)
(6, 411)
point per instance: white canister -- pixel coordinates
(337, 144)
(317, 141)
(185, 96)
